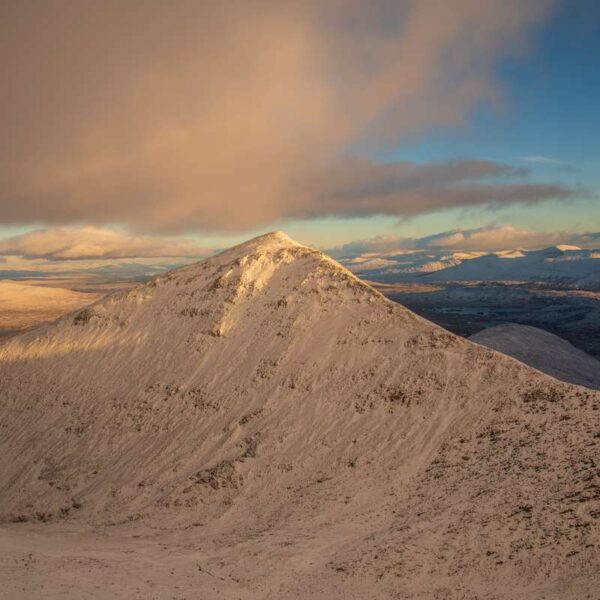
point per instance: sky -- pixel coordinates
(161, 131)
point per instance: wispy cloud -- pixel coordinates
(542, 160)
(546, 161)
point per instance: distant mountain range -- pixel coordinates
(558, 266)
(113, 270)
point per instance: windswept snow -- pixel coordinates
(543, 351)
(263, 424)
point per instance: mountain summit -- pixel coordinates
(301, 433)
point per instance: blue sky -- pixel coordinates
(551, 110)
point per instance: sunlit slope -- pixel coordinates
(25, 305)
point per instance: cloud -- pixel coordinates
(78, 243)
(557, 165)
(228, 116)
(491, 238)
(380, 244)
(484, 239)
(361, 188)
(542, 160)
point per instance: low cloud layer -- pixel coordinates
(484, 239)
(79, 243)
(190, 115)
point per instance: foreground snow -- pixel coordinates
(264, 425)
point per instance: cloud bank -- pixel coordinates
(78, 243)
(189, 115)
(483, 239)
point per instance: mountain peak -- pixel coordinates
(274, 240)
(277, 237)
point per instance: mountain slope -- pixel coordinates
(267, 411)
(25, 305)
(543, 351)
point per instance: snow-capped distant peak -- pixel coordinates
(566, 247)
(510, 254)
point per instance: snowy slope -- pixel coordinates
(24, 305)
(543, 351)
(271, 427)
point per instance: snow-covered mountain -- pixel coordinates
(269, 426)
(563, 266)
(404, 265)
(543, 351)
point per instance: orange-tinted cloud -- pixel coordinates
(77, 243)
(481, 239)
(227, 116)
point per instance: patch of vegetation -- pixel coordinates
(83, 316)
